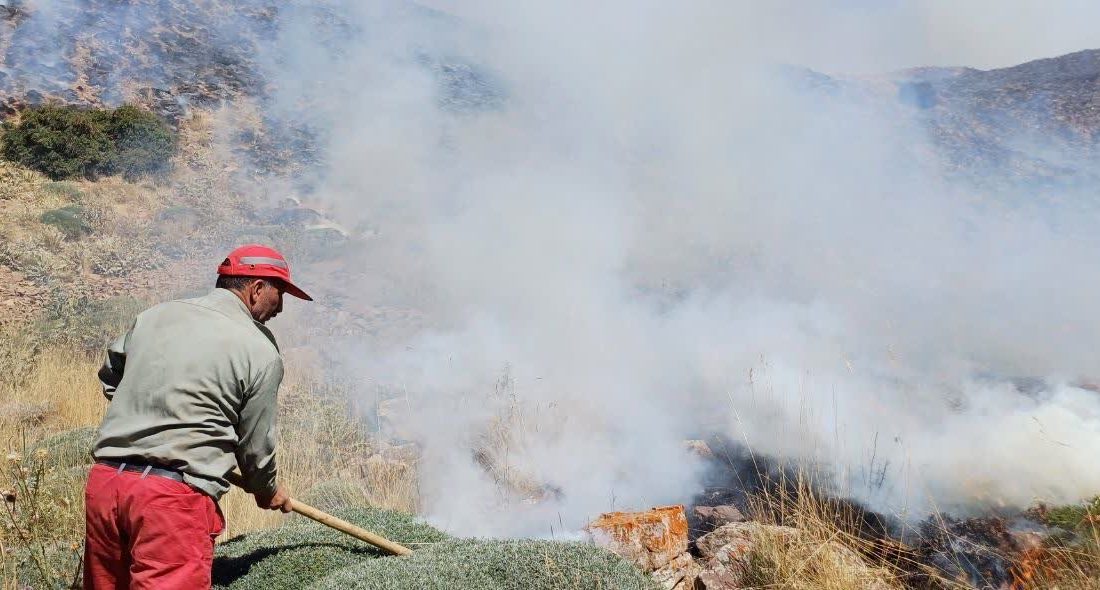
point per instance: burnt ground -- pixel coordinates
(992, 551)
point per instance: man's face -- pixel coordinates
(266, 300)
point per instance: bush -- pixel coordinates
(495, 565)
(67, 449)
(142, 143)
(66, 142)
(302, 551)
(60, 142)
(305, 554)
(69, 219)
(335, 494)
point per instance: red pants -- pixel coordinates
(150, 532)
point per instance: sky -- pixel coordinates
(873, 36)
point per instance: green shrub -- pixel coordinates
(335, 494)
(494, 565)
(303, 551)
(142, 143)
(69, 219)
(58, 141)
(305, 554)
(66, 142)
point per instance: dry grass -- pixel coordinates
(62, 386)
(821, 543)
(815, 544)
(318, 444)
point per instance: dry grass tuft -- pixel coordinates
(815, 544)
(63, 386)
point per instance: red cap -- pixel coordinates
(254, 260)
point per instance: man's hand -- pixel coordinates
(279, 501)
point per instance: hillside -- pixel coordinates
(566, 301)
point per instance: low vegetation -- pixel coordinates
(304, 554)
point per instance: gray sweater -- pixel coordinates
(193, 387)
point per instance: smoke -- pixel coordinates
(655, 232)
(622, 225)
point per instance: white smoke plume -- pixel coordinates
(658, 233)
(633, 224)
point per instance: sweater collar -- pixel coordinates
(227, 302)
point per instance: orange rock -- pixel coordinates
(650, 539)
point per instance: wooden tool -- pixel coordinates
(336, 523)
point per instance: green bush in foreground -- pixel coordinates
(494, 565)
(66, 142)
(294, 555)
(304, 554)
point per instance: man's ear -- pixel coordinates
(254, 289)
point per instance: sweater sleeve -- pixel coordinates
(110, 374)
(256, 431)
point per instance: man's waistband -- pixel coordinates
(143, 468)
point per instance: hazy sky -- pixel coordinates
(863, 36)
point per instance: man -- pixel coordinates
(192, 388)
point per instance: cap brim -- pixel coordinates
(293, 289)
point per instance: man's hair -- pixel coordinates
(234, 283)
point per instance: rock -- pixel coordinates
(726, 553)
(681, 573)
(713, 517)
(738, 538)
(651, 539)
(716, 580)
(699, 448)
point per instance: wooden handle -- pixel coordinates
(336, 523)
